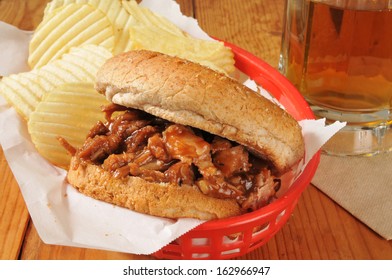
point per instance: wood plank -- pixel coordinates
(25, 14)
(14, 216)
(186, 7)
(253, 25)
(12, 12)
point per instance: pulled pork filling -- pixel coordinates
(134, 143)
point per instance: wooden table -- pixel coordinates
(318, 228)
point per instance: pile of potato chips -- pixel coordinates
(74, 39)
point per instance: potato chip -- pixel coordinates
(68, 111)
(111, 8)
(146, 17)
(212, 54)
(69, 26)
(80, 64)
(156, 33)
(122, 25)
(22, 91)
(25, 90)
(88, 58)
(55, 4)
(116, 14)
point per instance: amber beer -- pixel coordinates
(339, 55)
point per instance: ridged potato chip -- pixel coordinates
(154, 21)
(209, 53)
(68, 111)
(153, 32)
(25, 90)
(104, 5)
(69, 26)
(79, 65)
(123, 24)
(115, 12)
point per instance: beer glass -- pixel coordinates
(338, 53)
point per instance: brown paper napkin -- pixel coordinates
(361, 185)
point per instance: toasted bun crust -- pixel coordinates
(158, 199)
(190, 94)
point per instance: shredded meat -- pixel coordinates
(138, 139)
(220, 144)
(134, 143)
(264, 189)
(232, 161)
(183, 144)
(99, 148)
(67, 146)
(98, 129)
(158, 148)
(181, 173)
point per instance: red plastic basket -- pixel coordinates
(236, 236)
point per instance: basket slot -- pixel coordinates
(281, 217)
(237, 246)
(205, 248)
(284, 215)
(231, 253)
(200, 241)
(262, 234)
(170, 251)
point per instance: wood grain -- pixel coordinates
(14, 216)
(318, 228)
(254, 25)
(25, 14)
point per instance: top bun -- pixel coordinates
(191, 94)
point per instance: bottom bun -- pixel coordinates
(158, 199)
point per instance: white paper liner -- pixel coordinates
(13, 44)
(62, 215)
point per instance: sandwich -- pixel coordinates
(183, 141)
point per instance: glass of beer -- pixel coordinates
(338, 53)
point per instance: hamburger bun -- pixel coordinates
(157, 199)
(190, 95)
